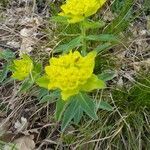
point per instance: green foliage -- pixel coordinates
(103, 47)
(4, 3)
(117, 6)
(107, 75)
(36, 70)
(140, 93)
(78, 115)
(147, 5)
(60, 108)
(104, 63)
(43, 81)
(60, 19)
(74, 109)
(26, 85)
(7, 56)
(126, 120)
(69, 114)
(89, 24)
(88, 105)
(103, 38)
(51, 97)
(122, 21)
(137, 98)
(41, 93)
(4, 145)
(105, 106)
(3, 73)
(54, 7)
(134, 105)
(65, 48)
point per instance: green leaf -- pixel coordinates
(93, 83)
(36, 70)
(52, 97)
(117, 6)
(4, 72)
(107, 75)
(60, 107)
(42, 92)
(60, 19)
(147, 5)
(12, 67)
(69, 113)
(78, 115)
(43, 82)
(88, 105)
(76, 42)
(89, 24)
(103, 47)
(26, 85)
(7, 54)
(7, 81)
(103, 38)
(37, 67)
(105, 106)
(47, 98)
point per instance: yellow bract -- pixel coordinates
(22, 68)
(77, 10)
(72, 73)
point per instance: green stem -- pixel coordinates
(83, 33)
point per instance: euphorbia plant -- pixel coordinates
(69, 74)
(72, 74)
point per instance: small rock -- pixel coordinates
(26, 32)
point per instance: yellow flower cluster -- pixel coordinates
(72, 73)
(77, 10)
(22, 68)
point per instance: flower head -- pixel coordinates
(72, 73)
(22, 68)
(77, 10)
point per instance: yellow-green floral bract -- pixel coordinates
(22, 67)
(72, 73)
(78, 10)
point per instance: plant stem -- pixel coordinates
(83, 33)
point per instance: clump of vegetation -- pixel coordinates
(3, 3)
(80, 94)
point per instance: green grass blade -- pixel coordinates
(123, 19)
